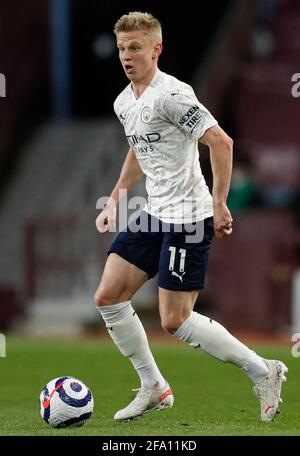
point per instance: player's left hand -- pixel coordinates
(106, 220)
(222, 221)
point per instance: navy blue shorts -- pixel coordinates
(181, 261)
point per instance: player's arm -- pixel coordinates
(220, 145)
(131, 174)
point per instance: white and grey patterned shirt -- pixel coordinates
(163, 127)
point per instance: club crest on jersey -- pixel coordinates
(146, 114)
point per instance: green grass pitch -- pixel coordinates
(211, 398)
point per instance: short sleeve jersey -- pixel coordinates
(163, 127)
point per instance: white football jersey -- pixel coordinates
(163, 127)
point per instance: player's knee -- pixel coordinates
(99, 299)
(170, 326)
(107, 297)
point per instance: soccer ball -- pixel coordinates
(66, 402)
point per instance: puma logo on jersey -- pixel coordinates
(180, 277)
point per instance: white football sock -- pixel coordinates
(209, 336)
(151, 376)
(127, 332)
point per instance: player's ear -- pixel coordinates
(157, 50)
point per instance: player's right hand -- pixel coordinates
(222, 221)
(106, 220)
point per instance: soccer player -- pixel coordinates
(163, 122)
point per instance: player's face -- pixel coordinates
(138, 54)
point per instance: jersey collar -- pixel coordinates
(152, 83)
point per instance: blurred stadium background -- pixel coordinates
(61, 148)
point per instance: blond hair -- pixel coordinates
(139, 21)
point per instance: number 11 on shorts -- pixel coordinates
(182, 253)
